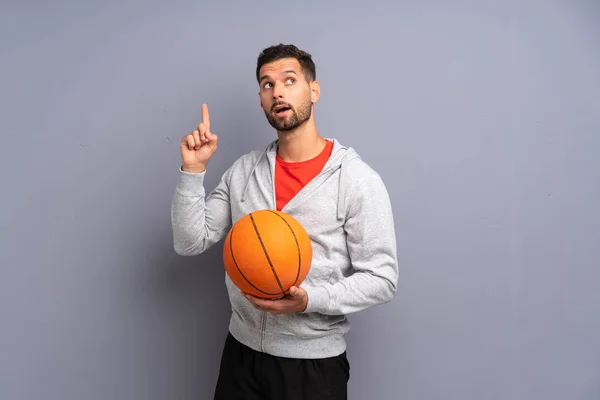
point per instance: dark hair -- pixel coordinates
(280, 51)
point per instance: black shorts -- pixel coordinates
(250, 375)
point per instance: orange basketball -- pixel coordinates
(266, 252)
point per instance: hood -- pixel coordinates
(340, 156)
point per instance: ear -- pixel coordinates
(315, 91)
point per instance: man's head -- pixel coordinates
(288, 87)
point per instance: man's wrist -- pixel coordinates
(194, 169)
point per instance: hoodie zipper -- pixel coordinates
(274, 200)
(262, 330)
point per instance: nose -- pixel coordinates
(278, 91)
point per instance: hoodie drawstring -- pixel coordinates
(341, 203)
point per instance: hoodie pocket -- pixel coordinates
(307, 326)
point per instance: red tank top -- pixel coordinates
(290, 177)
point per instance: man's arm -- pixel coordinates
(371, 242)
(199, 221)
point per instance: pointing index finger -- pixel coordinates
(205, 117)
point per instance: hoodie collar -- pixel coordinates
(340, 156)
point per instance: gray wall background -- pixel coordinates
(483, 117)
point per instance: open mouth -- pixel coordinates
(280, 110)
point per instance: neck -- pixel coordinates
(301, 144)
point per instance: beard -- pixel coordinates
(291, 121)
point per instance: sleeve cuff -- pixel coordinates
(318, 300)
(191, 183)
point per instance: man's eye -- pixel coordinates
(267, 85)
(291, 80)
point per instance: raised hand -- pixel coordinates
(199, 146)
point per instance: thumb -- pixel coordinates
(294, 291)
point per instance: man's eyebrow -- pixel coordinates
(287, 71)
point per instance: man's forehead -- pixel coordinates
(280, 66)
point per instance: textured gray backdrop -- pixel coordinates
(483, 117)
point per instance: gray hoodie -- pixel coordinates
(348, 215)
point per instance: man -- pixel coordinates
(292, 348)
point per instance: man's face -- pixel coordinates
(285, 95)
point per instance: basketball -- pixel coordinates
(266, 252)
